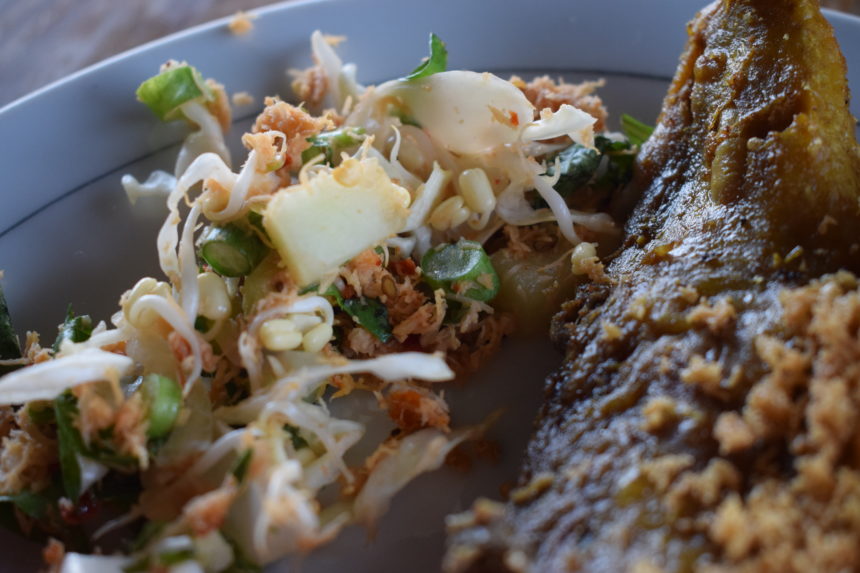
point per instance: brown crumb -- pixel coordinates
(536, 486)
(544, 92)
(611, 332)
(241, 23)
(592, 267)
(733, 434)
(717, 317)
(659, 413)
(662, 471)
(53, 554)
(689, 294)
(825, 224)
(706, 375)
(240, 99)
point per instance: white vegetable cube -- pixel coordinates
(318, 225)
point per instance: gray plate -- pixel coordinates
(68, 235)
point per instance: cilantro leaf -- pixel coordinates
(437, 62)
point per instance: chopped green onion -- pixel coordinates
(231, 250)
(437, 62)
(462, 268)
(331, 143)
(73, 329)
(164, 93)
(163, 398)
(636, 131)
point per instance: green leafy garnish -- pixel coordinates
(73, 329)
(368, 313)
(620, 157)
(296, 437)
(437, 62)
(164, 93)
(636, 131)
(331, 143)
(240, 468)
(577, 164)
(70, 444)
(371, 314)
(36, 505)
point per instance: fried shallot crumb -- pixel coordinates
(717, 317)
(53, 554)
(659, 413)
(706, 375)
(536, 486)
(611, 332)
(241, 23)
(296, 125)
(732, 433)
(243, 98)
(544, 92)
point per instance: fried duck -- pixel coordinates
(707, 416)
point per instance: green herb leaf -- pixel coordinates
(371, 314)
(41, 412)
(70, 444)
(240, 468)
(332, 143)
(164, 93)
(74, 329)
(296, 437)
(437, 62)
(636, 131)
(577, 164)
(368, 313)
(35, 505)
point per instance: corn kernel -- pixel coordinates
(214, 300)
(450, 213)
(305, 322)
(580, 253)
(476, 190)
(280, 334)
(317, 337)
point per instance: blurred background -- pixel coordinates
(44, 40)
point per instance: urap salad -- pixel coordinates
(375, 239)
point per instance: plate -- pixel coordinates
(68, 234)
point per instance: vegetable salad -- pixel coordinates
(375, 240)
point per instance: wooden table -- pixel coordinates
(44, 40)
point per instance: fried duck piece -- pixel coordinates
(707, 416)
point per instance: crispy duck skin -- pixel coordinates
(670, 439)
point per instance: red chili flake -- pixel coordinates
(404, 267)
(515, 119)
